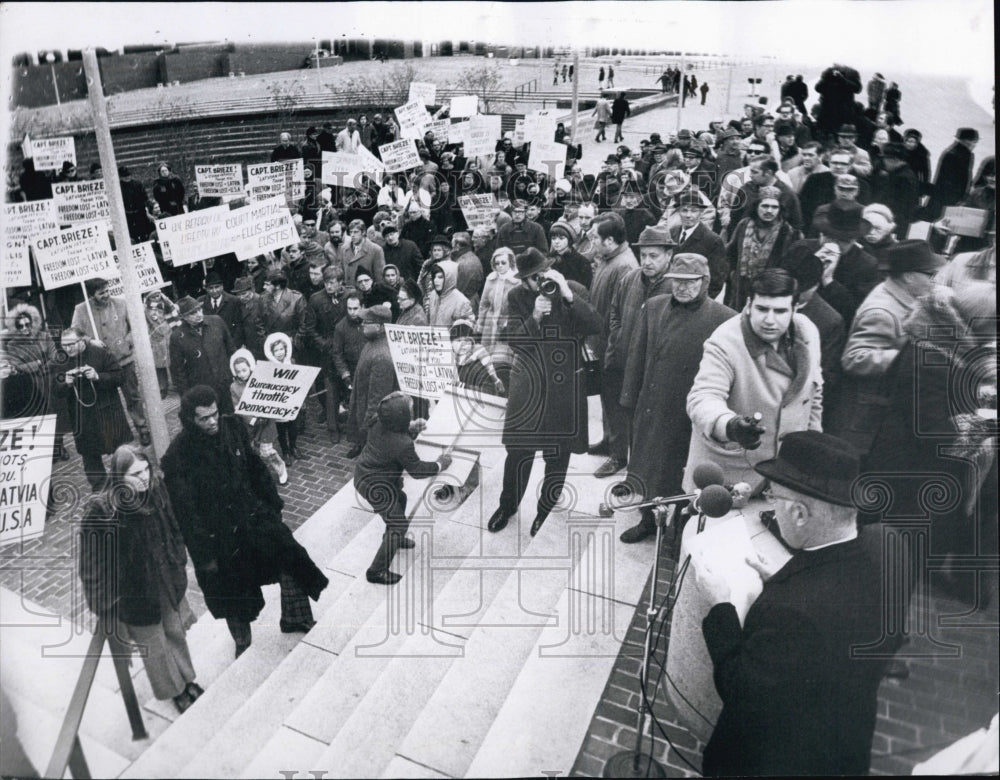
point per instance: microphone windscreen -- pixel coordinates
(706, 474)
(715, 501)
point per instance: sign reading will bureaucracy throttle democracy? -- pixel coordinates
(81, 201)
(219, 181)
(25, 473)
(269, 180)
(423, 359)
(72, 255)
(276, 390)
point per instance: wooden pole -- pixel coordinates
(680, 91)
(576, 93)
(90, 312)
(149, 387)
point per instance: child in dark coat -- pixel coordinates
(378, 477)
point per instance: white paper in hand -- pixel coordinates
(723, 549)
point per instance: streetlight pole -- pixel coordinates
(51, 59)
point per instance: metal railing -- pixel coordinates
(526, 88)
(68, 751)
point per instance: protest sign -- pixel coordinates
(72, 255)
(464, 105)
(400, 155)
(517, 139)
(423, 359)
(549, 157)
(412, 117)
(539, 126)
(422, 92)
(965, 221)
(481, 136)
(276, 391)
(219, 181)
(456, 131)
(81, 201)
(28, 219)
(478, 210)
(16, 262)
(345, 169)
(49, 154)
(144, 262)
(439, 127)
(260, 227)
(188, 238)
(25, 470)
(268, 180)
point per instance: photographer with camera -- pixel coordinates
(549, 316)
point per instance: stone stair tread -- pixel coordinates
(404, 768)
(562, 660)
(273, 758)
(225, 755)
(38, 729)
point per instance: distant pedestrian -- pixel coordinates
(704, 92)
(620, 111)
(565, 70)
(555, 74)
(602, 112)
(600, 78)
(611, 77)
(572, 69)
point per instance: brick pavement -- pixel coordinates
(44, 570)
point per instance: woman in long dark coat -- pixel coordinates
(547, 402)
(662, 363)
(88, 378)
(132, 565)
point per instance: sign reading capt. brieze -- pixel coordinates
(423, 359)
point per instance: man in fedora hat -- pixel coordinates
(798, 698)
(662, 360)
(844, 261)
(547, 400)
(199, 352)
(633, 211)
(656, 248)
(875, 339)
(692, 236)
(220, 303)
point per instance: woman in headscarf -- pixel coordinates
(410, 300)
(132, 565)
(759, 241)
(168, 190)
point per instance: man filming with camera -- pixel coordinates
(549, 316)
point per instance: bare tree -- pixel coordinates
(287, 96)
(485, 82)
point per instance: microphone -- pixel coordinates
(714, 501)
(706, 474)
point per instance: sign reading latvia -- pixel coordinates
(400, 155)
(81, 201)
(479, 210)
(276, 390)
(72, 255)
(144, 262)
(423, 359)
(268, 180)
(412, 118)
(49, 154)
(219, 181)
(25, 476)
(27, 219)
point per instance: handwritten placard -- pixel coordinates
(276, 390)
(72, 255)
(422, 92)
(49, 154)
(146, 268)
(81, 201)
(464, 105)
(412, 117)
(198, 235)
(478, 210)
(400, 155)
(260, 227)
(219, 181)
(26, 445)
(423, 359)
(278, 179)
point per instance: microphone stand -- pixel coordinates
(635, 763)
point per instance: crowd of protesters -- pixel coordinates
(727, 285)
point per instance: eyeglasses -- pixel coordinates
(22, 325)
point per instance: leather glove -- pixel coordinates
(745, 431)
(444, 461)
(500, 389)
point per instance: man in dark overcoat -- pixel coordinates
(547, 402)
(199, 352)
(954, 172)
(663, 360)
(799, 693)
(229, 511)
(88, 379)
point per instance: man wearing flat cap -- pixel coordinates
(656, 248)
(547, 400)
(663, 356)
(199, 352)
(692, 236)
(875, 339)
(799, 694)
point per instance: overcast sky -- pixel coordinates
(952, 36)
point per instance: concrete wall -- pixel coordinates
(131, 71)
(268, 58)
(33, 86)
(195, 64)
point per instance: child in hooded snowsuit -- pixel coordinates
(278, 349)
(378, 477)
(263, 432)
